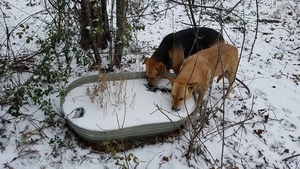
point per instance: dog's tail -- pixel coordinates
(248, 92)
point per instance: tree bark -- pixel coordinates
(121, 7)
(94, 27)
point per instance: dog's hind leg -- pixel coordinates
(220, 77)
(230, 76)
(225, 74)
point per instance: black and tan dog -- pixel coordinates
(199, 69)
(189, 41)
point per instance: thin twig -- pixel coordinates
(192, 14)
(256, 30)
(285, 159)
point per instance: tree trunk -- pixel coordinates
(121, 6)
(94, 27)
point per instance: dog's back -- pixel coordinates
(190, 40)
(203, 39)
(219, 59)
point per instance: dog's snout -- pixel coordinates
(175, 109)
(150, 85)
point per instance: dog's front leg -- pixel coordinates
(196, 114)
(198, 102)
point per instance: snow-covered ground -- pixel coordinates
(261, 132)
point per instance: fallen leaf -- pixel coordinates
(259, 132)
(165, 158)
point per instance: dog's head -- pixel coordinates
(154, 70)
(180, 92)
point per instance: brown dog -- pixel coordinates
(168, 55)
(199, 69)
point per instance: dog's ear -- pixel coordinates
(171, 79)
(145, 60)
(191, 86)
(161, 68)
